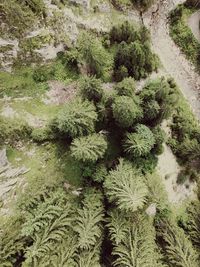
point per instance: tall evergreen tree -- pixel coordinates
(77, 118)
(141, 142)
(125, 187)
(89, 148)
(126, 111)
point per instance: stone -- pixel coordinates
(3, 158)
(83, 3)
(151, 210)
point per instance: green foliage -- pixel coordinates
(134, 241)
(126, 111)
(13, 130)
(182, 34)
(77, 118)
(194, 224)
(143, 5)
(185, 141)
(133, 56)
(158, 100)
(98, 60)
(15, 13)
(91, 89)
(100, 173)
(140, 142)
(89, 148)
(11, 242)
(42, 134)
(125, 186)
(126, 87)
(89, 220)
(178, 248)
(47, 223)
(157, 192)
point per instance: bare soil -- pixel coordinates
(193, 23)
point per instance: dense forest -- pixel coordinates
(79, 179)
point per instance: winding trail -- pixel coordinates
(174, 62)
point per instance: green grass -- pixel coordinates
(47, 166)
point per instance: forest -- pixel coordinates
(82, 135)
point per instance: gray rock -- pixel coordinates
(3, 158)
(151, 210)
(83, 3)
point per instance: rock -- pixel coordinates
(3, 158)
(151, 210)
(84, 3)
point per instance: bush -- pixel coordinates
(13, 130)
(42, 134)
(182, 34)
(126, 87)
(143, 5)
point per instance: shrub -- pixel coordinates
(13, 130)
(77, 118)
(126, 87)
(125, 111)
(143, 5)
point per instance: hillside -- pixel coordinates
(99, 133)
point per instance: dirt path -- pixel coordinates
(193, 23)
(173, 61)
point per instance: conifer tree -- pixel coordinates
(89, 148)
(126, 111)
(91, 89)
(77, 118)
(136, 246)
(141, 142)
(125, 187)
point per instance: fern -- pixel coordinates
(125, 186)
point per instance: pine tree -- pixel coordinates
(91, 89)
(125, 186)
(89, 220)
(77, 118)
(141, 142)
(126, 111)
(89, 148)
(194, 224)
(136, 246)
(47, 225)
(178, 248)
